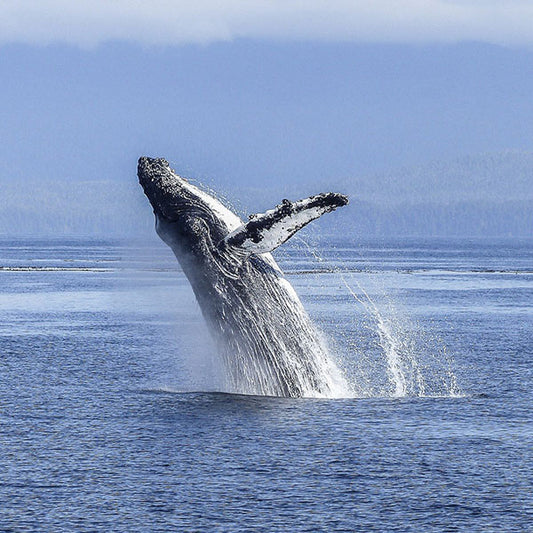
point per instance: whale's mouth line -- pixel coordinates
(159, 214)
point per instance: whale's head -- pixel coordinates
(185, 215)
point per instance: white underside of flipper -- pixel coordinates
(265, 232)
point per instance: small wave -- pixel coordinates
(52, 269)
(482, 395)
(27, 268)
(415, 270)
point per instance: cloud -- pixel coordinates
(172, 22)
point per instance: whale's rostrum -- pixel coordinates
(267, 340)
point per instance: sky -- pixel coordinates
(260, 94)
(175, 22)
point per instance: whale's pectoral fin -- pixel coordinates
(266, 231)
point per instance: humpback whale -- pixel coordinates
(267, 340)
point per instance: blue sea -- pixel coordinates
(113, 416)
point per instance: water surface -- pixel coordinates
(111, 415)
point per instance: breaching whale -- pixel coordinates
(267, 340)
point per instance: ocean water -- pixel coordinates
(112, 416)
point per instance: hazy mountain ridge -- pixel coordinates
(486, 177)
(476, 195)
(489, 194)
(79, 208)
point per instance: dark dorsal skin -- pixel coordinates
(266, 338)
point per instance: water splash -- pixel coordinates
(387, 353)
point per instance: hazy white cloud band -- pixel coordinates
(168, 22)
